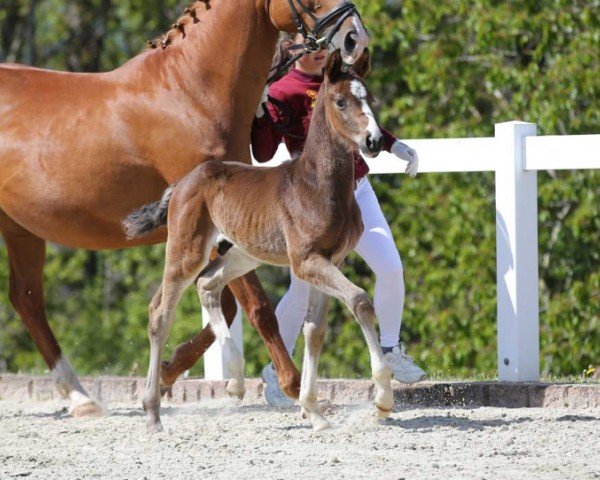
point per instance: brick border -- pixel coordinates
(426, 394)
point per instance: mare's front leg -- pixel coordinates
(324, 275)
(315, 328)
(210, 283)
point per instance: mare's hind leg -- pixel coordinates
(26, 255)
(315, 328)
(210, 283)
(253, 299)
(323, 274)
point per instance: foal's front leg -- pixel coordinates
(324, 275)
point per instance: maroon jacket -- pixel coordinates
(289, 115)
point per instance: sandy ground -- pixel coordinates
(224, 439)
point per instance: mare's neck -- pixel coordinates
(327, 158)
(218, 69)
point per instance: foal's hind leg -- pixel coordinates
(185, 257)
(26, 255)
(161, 312)
(210, 283)
(323, 274)
(254, 301)
(187, 353)
(315, 328)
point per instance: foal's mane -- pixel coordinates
(178, 31)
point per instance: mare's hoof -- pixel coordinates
(168, 391)
(167, 377)
(291, 388)
(89, 409)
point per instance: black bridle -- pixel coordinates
(312, 42)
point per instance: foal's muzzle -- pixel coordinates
(373, 144)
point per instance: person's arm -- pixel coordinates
(402, 151)
(265, 135)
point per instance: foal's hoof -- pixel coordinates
(235, 389)
(154, 427)
(319, 424)
(383, 412)
(323, 405)
(89, 409)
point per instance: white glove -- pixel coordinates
(260, 111)
(404, 152)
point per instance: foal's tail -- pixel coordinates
(149, 217)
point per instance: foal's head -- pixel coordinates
(348, 104)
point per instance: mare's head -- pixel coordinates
(332, 22)
(347, 104)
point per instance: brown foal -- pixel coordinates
(78, 152)
(301, 213)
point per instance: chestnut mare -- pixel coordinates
(78, 151)
(302, 213)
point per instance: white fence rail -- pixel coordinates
(515, 153)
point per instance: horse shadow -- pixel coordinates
(427, 423)
(60, 414)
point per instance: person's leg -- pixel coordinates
(290, 312)
(376, 246)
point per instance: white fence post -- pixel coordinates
(215, 363)
(517, 256)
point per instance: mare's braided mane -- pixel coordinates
(178, 29)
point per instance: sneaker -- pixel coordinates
(403, 366)
(273, 394)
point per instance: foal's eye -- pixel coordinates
(341, 103)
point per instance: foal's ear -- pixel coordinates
(333, 69)
(362, 66)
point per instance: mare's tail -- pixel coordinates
(149, 217)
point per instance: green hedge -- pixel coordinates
(441, 69)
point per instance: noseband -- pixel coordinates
(312, 42)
